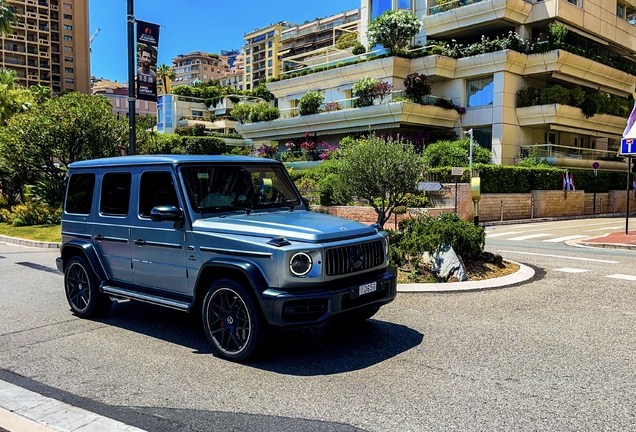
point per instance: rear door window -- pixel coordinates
(115, 197)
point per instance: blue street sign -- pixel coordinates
(628, 146)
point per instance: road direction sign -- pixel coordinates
(429, 186)
(628, 146)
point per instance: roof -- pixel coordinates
(166, 160)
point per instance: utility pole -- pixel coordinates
(131, 77)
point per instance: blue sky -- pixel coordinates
(192, 25)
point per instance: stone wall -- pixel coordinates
(537, 204)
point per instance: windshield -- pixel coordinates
(218, 187)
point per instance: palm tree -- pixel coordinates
(166, 73)
(7, 18)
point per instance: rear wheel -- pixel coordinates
(231, 322)
(82, 291)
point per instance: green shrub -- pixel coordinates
(310, 102)
(528, 96)
(327, 190)
(204, 146)
(411, 200)
(577, 96)
(363, 90)
(358, 49)
(555, 95)
(241, 112)
(347, 40)
(34, 213)
(427, 234)
(416, 86)
(263, 112)
(162, 144)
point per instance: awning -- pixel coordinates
(584, 132)
(584, 33)
(280, 53)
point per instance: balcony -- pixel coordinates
(444, 19)
(349, 119)
(565, 117)
(574, 157)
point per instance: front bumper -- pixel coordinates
(289, 307)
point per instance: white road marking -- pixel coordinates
(622, 276)
(571, 270)
(559, 256)
(606, 228)
(502, 234)
(529, 236)
(566, 238)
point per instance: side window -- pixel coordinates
(79, 198)
(155, 189)
(115, 196)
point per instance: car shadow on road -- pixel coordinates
(336, 348)
(330, 348)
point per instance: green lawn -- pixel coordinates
(45, 233)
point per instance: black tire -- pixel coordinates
(82, 291)
(232, 324)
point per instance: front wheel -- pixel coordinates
(82, 292)
(231, 322)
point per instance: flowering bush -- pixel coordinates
(332, 106)
(363, 90)
(329, 152)
(393, 30)
(417, 86)
(381, 90)
(267, 150)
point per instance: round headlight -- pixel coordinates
(300, 264)
(386, 245)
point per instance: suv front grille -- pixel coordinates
(354, 258)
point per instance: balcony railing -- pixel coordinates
(454, 4)
(558, 151)
(345, 104)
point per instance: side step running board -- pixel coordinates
(148, 298)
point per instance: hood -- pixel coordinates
(299, 225)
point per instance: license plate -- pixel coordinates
(367, 288)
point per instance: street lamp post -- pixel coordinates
(131, 77)
(475, 184)
(470, 151)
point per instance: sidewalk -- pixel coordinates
(616, 240)
(22, 410)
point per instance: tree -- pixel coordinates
(166, 73)
(241, 112)
(393, 30)
(455, 154)
(45, 139)
(7, 18)
(380, 172)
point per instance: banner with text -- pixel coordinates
(147, 49)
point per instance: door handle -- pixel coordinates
(140, 242)
(99, 237)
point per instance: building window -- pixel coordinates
(247, 51)
(68, 38)
(68, 70)
(404, 4)
(483, 136)
(68, 59)
(269, 53)
(378, 7)
(269, 72)
(620, 10)
(69, 80)
(68, 49)
(67, 6)
(197, 113)
(269, 63)
(248, 69)
(68, 27)
(68, 16)
(480, 91)
(270, 34)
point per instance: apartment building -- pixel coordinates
(598, 57)
(261, 54)
(117, 94)
(49, 44)
(313, 42)
(199, 66)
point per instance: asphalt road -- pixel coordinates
(554, 353)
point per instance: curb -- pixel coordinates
(523, 274)
(29, 243)
(552, 219)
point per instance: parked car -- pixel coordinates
(227, 237)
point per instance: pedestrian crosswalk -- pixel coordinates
(541, 236)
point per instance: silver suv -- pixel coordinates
(227, 237)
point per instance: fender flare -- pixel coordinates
(89, 252)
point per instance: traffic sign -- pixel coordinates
(628, 146)
(429, 186)
(596, 165)
(457, 171)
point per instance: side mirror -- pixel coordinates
(166, 213)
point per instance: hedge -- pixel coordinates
(513, 179)
(196, 145)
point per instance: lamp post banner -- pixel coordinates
(147, 50)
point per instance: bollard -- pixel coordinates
(531, 208)
(501, 211)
